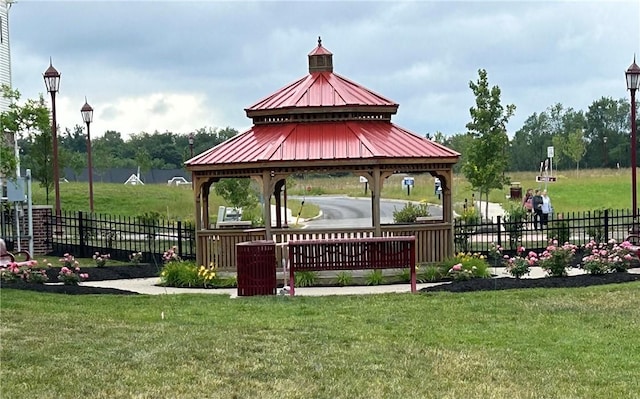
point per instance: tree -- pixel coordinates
(607, 118)
(575, 147)
(39, 159)
(143, 159)
(75, 160)
(237, 192)
(486, 160)
(32, 118)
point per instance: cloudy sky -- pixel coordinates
(182, 65)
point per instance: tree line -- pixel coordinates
(596, 138)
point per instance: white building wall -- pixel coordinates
(5, 55)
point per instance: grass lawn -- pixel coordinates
(537, 343)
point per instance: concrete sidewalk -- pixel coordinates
(149, 286)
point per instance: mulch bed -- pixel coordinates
(506, 283)
(147, 270)
(142, 270)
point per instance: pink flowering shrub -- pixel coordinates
(459, 273)
(556, 259)
(601, 258)
(171, 256)
(70, 271)
(520, 264)
(30, 272)
(101, 260)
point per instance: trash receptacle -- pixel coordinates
(516, 191)
(256, 267)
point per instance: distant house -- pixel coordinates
(134, 180)
(5, 54)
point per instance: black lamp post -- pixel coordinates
(191, 140)
(633, 82)
(52, 82)
(606, 160)
(87, 116)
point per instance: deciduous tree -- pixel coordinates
(486, 157)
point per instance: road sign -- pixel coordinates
(546, 178)
(550, 152)
(408, 181)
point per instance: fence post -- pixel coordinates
(499, 231)
(606, 224)
(83, 244)
(180, 239)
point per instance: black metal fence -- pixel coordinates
(83, 234)
(576, 228)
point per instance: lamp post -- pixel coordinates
(52, 82)
(191, 140)
(87, 116)
(633, 82)
(604, 141)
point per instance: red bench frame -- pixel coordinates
(352, 254)
(12, 256)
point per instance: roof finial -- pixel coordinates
(319, 42)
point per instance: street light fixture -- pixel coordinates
(633, 83)
(191, 140)
(52, 82)
(606, 160)
(87, 117)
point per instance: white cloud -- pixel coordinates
(175, 112)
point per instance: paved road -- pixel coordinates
(342, 211)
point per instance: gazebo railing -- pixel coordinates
(218, 247)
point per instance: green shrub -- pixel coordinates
(476, 264)
(560, 231)
(405, 275)
(226, 282)
(374, 277)
(431, 273)
(344, 278)
(180, 274)
(410, 212)
(596, 229)
(515, 218)
(469, 218)
(306, 279)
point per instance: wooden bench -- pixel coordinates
(7, 257)
(352, 254)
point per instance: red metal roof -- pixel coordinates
(322, 89)
(348, 140)
(320, 50)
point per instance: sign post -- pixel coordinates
(366, 182)
(408, 182)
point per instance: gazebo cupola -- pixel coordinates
(320, 59)
(322, 96)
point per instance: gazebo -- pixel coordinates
(320, 123)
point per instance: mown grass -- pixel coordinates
(170, 202)
(555, 343)
(584, 191)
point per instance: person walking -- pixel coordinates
(527, 204)
(536, 203)
(546, 208)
